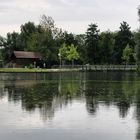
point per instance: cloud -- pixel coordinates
(106, 13)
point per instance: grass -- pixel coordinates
(33, 70)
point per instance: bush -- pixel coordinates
(31, 66)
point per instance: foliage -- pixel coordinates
(63, 51)
(138, 42)
(81, 48)
(106, 47)
(69, 52)
(92, 44)
(27, 30)
(139, 12)
(128, 55)
(123, 37)
(72, 53)
(92, 47)
(70, 38)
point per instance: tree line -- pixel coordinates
(93, 47)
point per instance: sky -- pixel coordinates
(71, 15)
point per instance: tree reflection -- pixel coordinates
(108, 93)
(61, 89)
(138, 112)
(47, 96)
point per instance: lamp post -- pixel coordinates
(59, 55)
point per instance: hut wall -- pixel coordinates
(21, 63)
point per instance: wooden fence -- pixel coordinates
(110, 67)
(98, 67)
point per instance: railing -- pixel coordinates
(99, 67)
(67, 66)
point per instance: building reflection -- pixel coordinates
(47, 96)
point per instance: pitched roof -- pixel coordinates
(31, 55)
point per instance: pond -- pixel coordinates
(70, 106)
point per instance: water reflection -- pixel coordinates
(50, 92)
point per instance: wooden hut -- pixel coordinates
(20, 59)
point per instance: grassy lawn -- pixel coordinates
(22, 70)
(33, 70)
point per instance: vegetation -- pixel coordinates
(68, 52)
(93, 47)
(138, 42)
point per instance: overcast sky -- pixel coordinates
(71, 15)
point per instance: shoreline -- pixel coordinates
(36, 70)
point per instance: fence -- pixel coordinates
(98, 67)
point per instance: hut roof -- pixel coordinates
(31, 55)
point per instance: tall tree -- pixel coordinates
(138, 42)
(92, 44)
(106, 47)
(123, 38)
(63, 52)
(47, 22)
(27, 30)
(51, 39)
(81, 48)
(69, 38)
(72, 53)
(128, 55)
(10, 44)
(69, 52)
(137, 38)
(2, 47)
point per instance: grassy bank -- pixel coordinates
(34, 70)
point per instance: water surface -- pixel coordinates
(70, 106)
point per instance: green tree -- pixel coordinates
(70, 38)
(10, 44)
(128, 55)
(81, 48)
(106, 47)
(63, 51)
(72, 54)
(123, 37)
(92, 44)
(69, 52)
(137, 36)
(27, 30)
(2, 41)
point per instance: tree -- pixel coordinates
(81, 48)
(128, 55)
(92, 44)
(137, 38)
(106, 47)
(123, 37)
(49, 49)
(69, 38)
(2, 41)
(47, 22)
(27, 30)
(72, 54)
(10, 44)
(138, 42)
(139, 12)
(2, 44)
(69, 52)
(63, 51)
